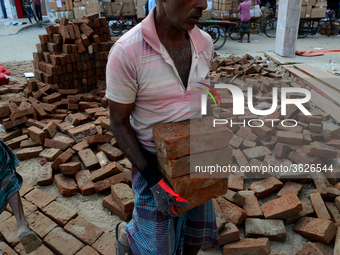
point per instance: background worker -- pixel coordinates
(29, 11)
(150, 73)
(244, 8)
(10, 184)
(37, 8)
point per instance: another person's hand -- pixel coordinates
(165, 197)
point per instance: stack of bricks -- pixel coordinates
(183, 145)
(56, 225)
(73, 54)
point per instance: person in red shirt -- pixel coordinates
(244, 9)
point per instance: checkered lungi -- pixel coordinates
(150, 232)
(10, 180)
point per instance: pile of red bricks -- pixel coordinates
(34, 127)
(60, 228)
(245, 67)
(73, 55)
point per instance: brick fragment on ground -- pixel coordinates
(235, 198)
(257, 153)
(282, 208)
(62, 158)
(316, 229)
(61, 242)
(85, 231)
(81, 146)
(27, 153)
(228, 234)
(89, 159)
(260, 246)
(37, 134)
(66, 185)
(102, 186)
(85, 185)
(102, 159)
(235, 182)
(334, 212)
(70, 168)
(309, 248)
(290, 188)
(274, 230)
(82, 131)
(28, 143)
(319, 206)
(231, 212)
(251, 206)
(289, 137)
(49, 143)
(50, 153)
(110, 204)
(123, 195)
(60, 213)
(106, 171)
(45, 177)
(265, 187)
(220, 219)
(50, 129)
(113, 153)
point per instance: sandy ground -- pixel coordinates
(19, 47)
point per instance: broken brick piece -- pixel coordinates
(37, 134)
(66, 185)
(315, 229)
(110, 204)
(86, 186)
(89, 159)
(265, 187)
(70, 168)
(282, 208)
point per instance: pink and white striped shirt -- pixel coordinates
(140, 71)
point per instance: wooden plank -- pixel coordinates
(280, 60)
(320, 75)
(324, 90)
(326, 105)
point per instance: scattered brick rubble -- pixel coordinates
(33, 123)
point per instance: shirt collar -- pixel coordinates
(150, 34)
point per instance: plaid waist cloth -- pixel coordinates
(150, 232)
(245, 27)
(10, 180)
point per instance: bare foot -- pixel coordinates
(248, 41)
(240, 41)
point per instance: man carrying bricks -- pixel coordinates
(150, 73)
(10, 184)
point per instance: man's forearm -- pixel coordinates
(129, 145)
